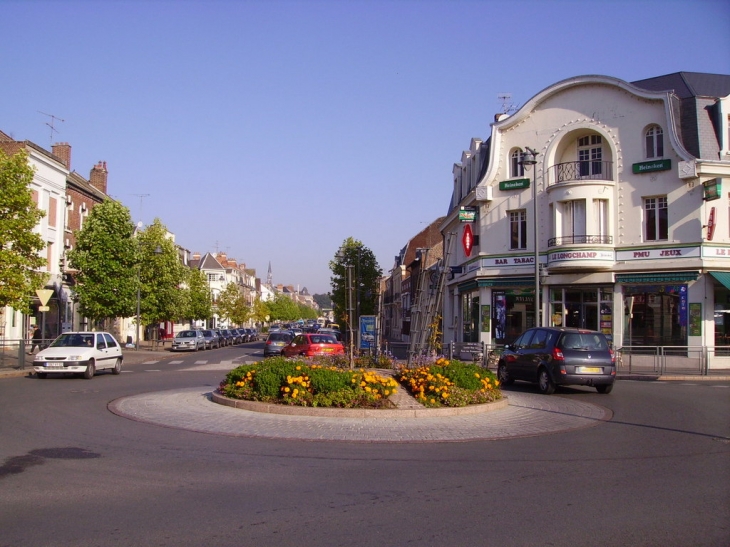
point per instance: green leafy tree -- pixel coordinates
(283, 308)
(323, 301)
(162, 275)
(360, 287)
(306, 312)
(19, 243)
(232, 305)
(106, 259)
(260, 312)
(198, 302)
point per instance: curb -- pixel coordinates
(293, 410)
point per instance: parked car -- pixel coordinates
(236, 336)
(250, 335)
(228, 336)
(81, 353)
(275, 342)
(553, 356)
(223, 339)
(309, 345)
(211, 339)
(334, 332)
(188, 340)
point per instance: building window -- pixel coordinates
(518, 229)
(573, 221)
(656, 218)
(590, 155)
(515, 167)
(601, 217)
(654, 142)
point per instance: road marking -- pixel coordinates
(150, 362)
(153, 370)
(200, 362)
(175, 362)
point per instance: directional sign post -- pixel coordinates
(44, 295)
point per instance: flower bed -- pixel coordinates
(308, 383)
(450, 383)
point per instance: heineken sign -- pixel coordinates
(467, 214)
(516, 184)
(650, 166)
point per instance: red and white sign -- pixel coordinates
(467, 239)
(711, 224)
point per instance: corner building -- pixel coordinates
(632, 197)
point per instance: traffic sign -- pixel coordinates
(44, 295)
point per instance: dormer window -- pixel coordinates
(654, 142)
(516, 170)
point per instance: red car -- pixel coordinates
(311, 344)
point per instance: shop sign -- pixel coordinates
(651, 166)
(711, 224)
(467, 240)
(467, 214)
(581, 256)
(516, 184)
(508, 261)
(712, 189)
(659, 254)
(710, 252)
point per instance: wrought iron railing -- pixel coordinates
(570, 240)
(583, 170)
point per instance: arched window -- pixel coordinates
(654, 142)
(516, 170)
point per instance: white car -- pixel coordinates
(80, 353)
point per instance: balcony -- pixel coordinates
(586, 239)
(582, 170)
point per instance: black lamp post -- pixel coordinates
(529, 158)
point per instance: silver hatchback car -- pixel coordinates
(188, 340)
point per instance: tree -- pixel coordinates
(198, 302)
(106, 259)
(260, 312)
(364, 281)
(19, 242)
(232, 305)
(282, 308)
(162, 275)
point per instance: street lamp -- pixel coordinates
(340, 257)
(529, 158)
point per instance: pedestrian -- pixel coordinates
(37, 338)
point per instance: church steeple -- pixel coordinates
(269, 277)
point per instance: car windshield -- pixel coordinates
(187, 334)
(74, 341)
(584, 341)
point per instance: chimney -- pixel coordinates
(98, 175)
(196, 256)
(62, 150)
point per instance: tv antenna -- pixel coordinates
(507, 105)
(141, 197)
(52, 124)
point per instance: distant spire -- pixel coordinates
(269, 277)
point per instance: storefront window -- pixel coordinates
(590, 308)
(514, 312)
(656, 315)
(471, 318)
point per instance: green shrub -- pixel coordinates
(323, 380)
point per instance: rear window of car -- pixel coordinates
(279, 336)
(323, 339)
(584, 341)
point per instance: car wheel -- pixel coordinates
(41, 375)
(197, 346)
(117, 367)
(503, 375)
(604, 388)
(88, 374)
(545, 383)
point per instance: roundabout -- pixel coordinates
(524, 415)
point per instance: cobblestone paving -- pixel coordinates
(527, 415)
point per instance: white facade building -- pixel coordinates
(631, 189)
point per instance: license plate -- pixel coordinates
(327, 350)
(54, 365)
(590, 370)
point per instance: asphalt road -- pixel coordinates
(75, 474)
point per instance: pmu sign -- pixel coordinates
(467, 239)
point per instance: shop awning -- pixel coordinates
(722, 277)
(658, 277)
(504, 282)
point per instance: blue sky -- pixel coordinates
(273, 130)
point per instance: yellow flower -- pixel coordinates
(299, 368)
(286, 390)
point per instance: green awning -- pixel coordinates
(504, 282)
(722, 277)
(658, 277)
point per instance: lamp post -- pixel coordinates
(348, 302)
(529, 158)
